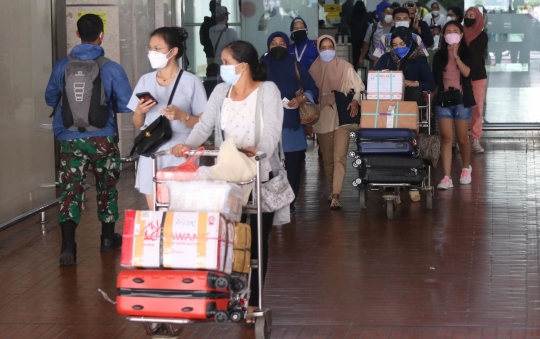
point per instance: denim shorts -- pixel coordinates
(457, 112)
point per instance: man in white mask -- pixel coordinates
(435, 18)
(373, 35)
(401, 19)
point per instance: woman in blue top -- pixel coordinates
(281, 71)
(408, 57)
(302, 50)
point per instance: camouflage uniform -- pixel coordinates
(76, 155)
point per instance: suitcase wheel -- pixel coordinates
(237, 285)
(222, 283)
(237, 316)
(221, 317)
(390, 209)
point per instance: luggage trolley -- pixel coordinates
(237, 309)
(390, 190)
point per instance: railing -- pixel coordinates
(41, 210)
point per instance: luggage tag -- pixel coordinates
(390, 117)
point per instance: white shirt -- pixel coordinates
(438, 21)
(229, 35)
(238, 121)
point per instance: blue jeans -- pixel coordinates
(457, 112)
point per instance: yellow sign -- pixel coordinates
(333, 15)
(102, 15)
(332, 8)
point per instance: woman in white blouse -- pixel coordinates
(334, 74)
(231, 113)
(165, 48)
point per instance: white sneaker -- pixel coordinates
(465, 178)
(445, 183)
(476, 147)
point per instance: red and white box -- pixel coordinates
(182, 240)
(385, 85)
(141, 242)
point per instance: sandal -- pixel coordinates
(330, 197)
(335, 205)
(415, 196)
(250, 323)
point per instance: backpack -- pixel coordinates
(84, 104)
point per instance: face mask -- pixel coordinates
(452, 38)
(450, 18)
(402, 51)
(158, 60)
(279, 52)
(469, 22)
(388, 18)
(328, 55)
(299, 35)
(402, 24)
(228, 74)
(435, 13)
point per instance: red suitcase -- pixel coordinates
(172, 293)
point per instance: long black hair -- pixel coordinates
(243, 51)
(463, 50)
(174, 37)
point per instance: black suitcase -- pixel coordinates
(391, 169)
(386, 141)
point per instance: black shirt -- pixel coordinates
(479, 47)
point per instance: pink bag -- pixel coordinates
(183, 172)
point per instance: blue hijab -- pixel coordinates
(283, 74)
(310, 53)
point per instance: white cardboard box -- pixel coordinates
(385, 85)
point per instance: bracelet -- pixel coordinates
(187, 118)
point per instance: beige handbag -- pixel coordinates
(309, 113)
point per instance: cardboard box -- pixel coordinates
(184, 240)
(141, 240)
(389, 114)
(385, 85)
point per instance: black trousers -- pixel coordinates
(356, 52)
(293, 165)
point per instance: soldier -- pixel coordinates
(87, 143)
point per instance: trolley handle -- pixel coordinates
(206, 153)
(160, 154)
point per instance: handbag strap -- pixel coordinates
(175, 85)
(218, 39)
(298, 77)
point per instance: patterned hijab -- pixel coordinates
(328, 75)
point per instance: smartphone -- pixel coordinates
(146, 96)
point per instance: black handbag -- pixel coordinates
(450, 97)
(342, 102)
(157, 133)
(415, 94)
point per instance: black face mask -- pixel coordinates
(299, 35)
(469, 22)
(279, 52)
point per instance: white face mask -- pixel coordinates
(449, 18)
(388, 18)
(435, 13)
(158, 60)
(402, 24)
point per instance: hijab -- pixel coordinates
(283, 74)
(295, 20)
(328, 75)
(474, 31)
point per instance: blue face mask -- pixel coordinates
(228, 74)
(402, 51)
(328, 55)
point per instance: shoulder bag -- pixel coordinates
(309, 113)
(157, 133)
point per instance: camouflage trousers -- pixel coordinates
(75, 158)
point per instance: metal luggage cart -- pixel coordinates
(390, 191)
(237, 310)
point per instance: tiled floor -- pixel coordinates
(466, 269)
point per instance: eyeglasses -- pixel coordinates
(155, 49)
